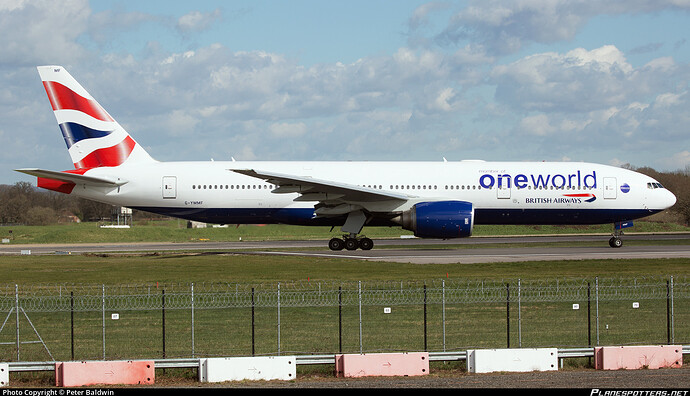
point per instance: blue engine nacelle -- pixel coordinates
(439, 219)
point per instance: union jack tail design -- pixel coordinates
(94, 139)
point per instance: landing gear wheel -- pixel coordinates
(351, 244)
(336, 244)
(615, 242)
(366, 244)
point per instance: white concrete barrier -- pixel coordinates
(515, 360)
(4, 374)
(247, 368)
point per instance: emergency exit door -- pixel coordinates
(169, 187)
(610, 187)
(503, 192)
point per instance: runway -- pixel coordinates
(418, 251)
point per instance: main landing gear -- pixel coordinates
(351, 242)
(352, 227)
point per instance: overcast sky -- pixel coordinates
(555, 80)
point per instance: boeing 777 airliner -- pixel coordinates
(433, 199)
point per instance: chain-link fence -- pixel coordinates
(80, 322)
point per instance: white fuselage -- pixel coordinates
(501, 192)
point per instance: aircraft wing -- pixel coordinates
(72, 177)
(323, 190)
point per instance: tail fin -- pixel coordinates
(94, 139)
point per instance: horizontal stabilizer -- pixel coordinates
(72, 177)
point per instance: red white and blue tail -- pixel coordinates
(94, 139)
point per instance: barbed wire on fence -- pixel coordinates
(91, 297)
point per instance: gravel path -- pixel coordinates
(663, 379)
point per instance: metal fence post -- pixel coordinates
(16, 308)
(103, 316)
(596, 296)
(359, 288)
(589, 320)
(71, 325)
(668, 312)
(278, 318)
(192, 286)
(163, 321)
(340, 319)
(673, 336)
(519, 314)
(589, 317)
(508, 314)
(443, 319)
(425, 335)
(253, 335)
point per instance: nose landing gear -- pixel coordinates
(615, 241)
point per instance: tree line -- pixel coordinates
(22, 203)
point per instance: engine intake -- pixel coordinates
(439, 219)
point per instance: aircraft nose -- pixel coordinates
(670, 199)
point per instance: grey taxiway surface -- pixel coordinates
(421, 251)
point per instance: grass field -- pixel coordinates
(249, 269)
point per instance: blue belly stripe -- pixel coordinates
(305, 216)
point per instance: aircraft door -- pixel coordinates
(503, 189)
(610, 187)
(169, 187)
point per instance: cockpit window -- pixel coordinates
(652, 186)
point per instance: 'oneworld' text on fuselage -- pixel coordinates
(578, 180)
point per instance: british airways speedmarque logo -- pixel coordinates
(590, 197)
